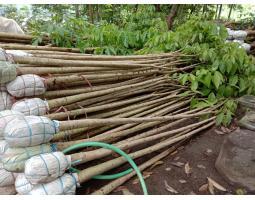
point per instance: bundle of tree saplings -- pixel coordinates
(114, 99)
(46, 180)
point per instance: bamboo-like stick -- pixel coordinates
(69, 133)
(19, 36)
(82, 77)
(77, 112)
(73, 91)
(100, 153)
(106, 189)
(142, 111)
(45, 48)
(88, 173)
(149, 111)
(75, 63)
(76, 98)
(72, 124)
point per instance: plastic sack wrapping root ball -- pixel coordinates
(30, 131)
(6, 101)
(5, 117)
(230, 34)
(26, 86)
(7, 72)
(3, 147)
(64, 185)
(239, 41)
(247, 47)
(47, 167)
(3, 87)
(6, 178)
(8, 190)
(241, 35)
(34, 106)
(14, 158)
(22, 185)
(18, 53)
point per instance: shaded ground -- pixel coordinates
(199, 153)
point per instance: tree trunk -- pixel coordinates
(204, 8)
(157, 7)
(77, 10)
(216, 13)
(91, 13)
(230, 10)
(220, 11)
(172, 15)
(136, 7)
(97, 13)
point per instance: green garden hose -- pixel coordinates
(117, 150)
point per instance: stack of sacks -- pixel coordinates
(238, 37)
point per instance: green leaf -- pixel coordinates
(207, 79)
(194, 85)
(211, 97)
(219, 118)
(183, 78)
(233, 80)
(228, 92)
(242, 85)
(217, 79)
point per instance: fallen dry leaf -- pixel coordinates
(219, 132)
(187, 168)
(210, 187)
(176, 158)
(168, 169)
(182, 181)
(169, 188)
(216, 185)
(192, 193)
(175, 152)
(203, 188)
(201, 166)
(177, 164)
(225, 129)
(124, 190)
(156, 164)
(208, 152)
(145, 176)
(127, 192)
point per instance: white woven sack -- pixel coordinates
(46, 167)
(230, 34)
(3, 55)
(8, 190)
(14, 158)
(246, 46)
(18, 53)
(27, 85)
(7, 72)
(3, 148)
(22, 185)
(6, 178)
(10, 26)
(241, 35)
(64, 185)
(3, 87)
(239, 41)
(5, 117)
(34, 106)
(6, 101)
(30, 131)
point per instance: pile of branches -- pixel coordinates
(58, 98)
